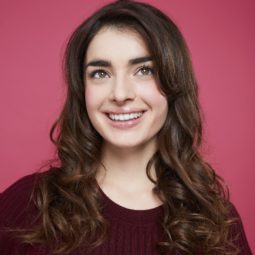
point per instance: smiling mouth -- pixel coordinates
(125, 116)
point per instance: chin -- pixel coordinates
(130, 144)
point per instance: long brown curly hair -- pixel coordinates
(195, 202)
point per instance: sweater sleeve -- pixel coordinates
(16, 211)
(237, 233)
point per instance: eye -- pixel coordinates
(99, 74)
(145, 70)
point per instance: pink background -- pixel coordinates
(221, 37)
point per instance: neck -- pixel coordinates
(126, 167)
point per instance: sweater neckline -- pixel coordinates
(116, 211)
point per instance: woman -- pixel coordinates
(130, 178)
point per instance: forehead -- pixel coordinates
(115, 43)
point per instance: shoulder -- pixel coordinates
(237, 232)
(17, 211)
(235, 217)
(16, 201)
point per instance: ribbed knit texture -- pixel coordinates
(132, 232)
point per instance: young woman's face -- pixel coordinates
(122, 95)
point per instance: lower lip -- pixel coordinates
(125, 124)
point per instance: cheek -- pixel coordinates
(93, 101)
(89, 94)
(93, 97)
(153, 97)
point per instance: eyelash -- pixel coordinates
(144, 67)
(147, 68)
(93, 73)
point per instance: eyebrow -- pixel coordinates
(106, 63)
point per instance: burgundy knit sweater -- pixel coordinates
(132, 232)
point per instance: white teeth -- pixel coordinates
(128, 116)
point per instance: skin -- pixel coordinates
(115, 85)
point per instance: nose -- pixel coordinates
(122, 89)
